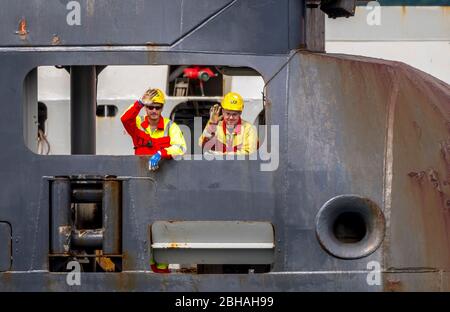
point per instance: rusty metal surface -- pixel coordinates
(414, 280)
(182, 25)
(369, 213)
(60, 207)
(348, 125)
(288, 281)
(80, 195)
(213, 242)
(419, 211)
(5, 246)
(445, 278)
(385, 127)
(147, 281)
(335, 114)
(338, 141)
(87, 238)
(112, 217)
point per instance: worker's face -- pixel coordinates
(153, 111)
(231, 117)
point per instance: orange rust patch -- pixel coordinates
(106, 264)
(177, 245)
(56, 40)
(393, 285)
(22, 29)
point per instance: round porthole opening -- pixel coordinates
(350, 226)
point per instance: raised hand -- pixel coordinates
(214, 114)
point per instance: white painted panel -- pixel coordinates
(124, 82)
(432, 57)
(249, 87)
(54, 83)
(57, 126)
(114, 82)
(397, 23)
(213, 245)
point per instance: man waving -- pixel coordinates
(153, 134)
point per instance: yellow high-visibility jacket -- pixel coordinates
(165, 128)
(243, 140)
(167, 137)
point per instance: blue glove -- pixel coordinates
(154, 161)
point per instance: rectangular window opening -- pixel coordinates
(213, 247)
(77, 109)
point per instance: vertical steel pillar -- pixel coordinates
(30, 96)
(61, 222)
(83, 104)
(112, 217)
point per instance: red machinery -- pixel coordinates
(202, 74)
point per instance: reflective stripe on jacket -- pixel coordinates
(243, 140)
(167, 137)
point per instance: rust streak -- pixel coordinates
(56, 40)
(22, 29)
(433, 177)
(404, 11)
(417, 175)
(177, 245)
(393, 285)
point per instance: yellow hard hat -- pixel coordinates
(158, 98)
(233, 101)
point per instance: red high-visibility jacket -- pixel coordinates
(167, 138)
